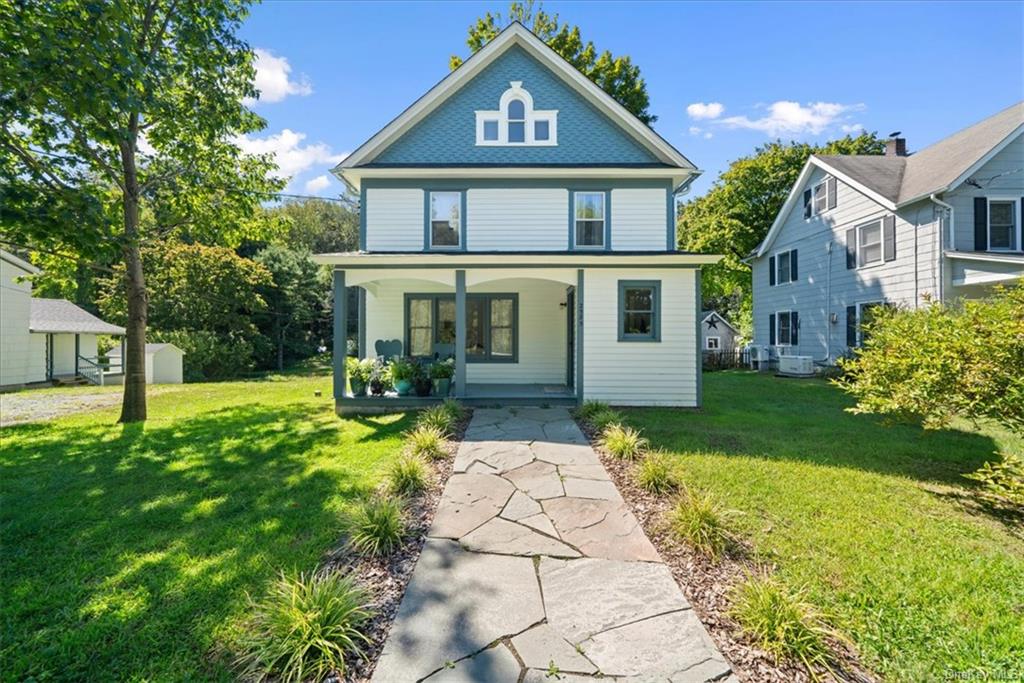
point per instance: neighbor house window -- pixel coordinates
(866, 313)
(491, 326)
(445, 219)
(785, 322)
(869, 243)
(589, 209)
(784, 267)
(713, 343)
(1002, 225)
(516, 122)
(639, 310)
(821, 197)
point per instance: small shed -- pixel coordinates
(164, 363)
(717, 334)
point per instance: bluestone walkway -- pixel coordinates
(535, 570)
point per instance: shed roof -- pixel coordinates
(60, 315)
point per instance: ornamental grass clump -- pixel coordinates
(376, 526)
(782, 623)
(604, 418)
(426, 442)
(407, 475)
(623, 442)
(439, 417)
(590, 408)
(658, 473)
(304, 628)
(697, 520)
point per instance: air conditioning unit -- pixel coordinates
(796, 366)
(760, 357)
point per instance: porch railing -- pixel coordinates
(95, 368)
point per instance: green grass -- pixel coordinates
(868, 518)
(127, 551)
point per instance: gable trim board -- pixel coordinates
(514, 35)
(714, 314)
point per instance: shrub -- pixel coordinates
(407, 475)
(589, 409)
(376, 526)
(697, 520)
(657, 473)
(603, 419)
(427, 442)
(304, 628)
(437, 417)
(454, 408)
(781, 623)
(1002, 482)
(623, 442)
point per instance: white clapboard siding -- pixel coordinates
(15, 307)
(517, 219)
(394, 219)
(639, 219)
(1003, 178)
(640, 373)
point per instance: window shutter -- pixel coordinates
(831, 193)
(807, 203)
(851, 326)
(794, 328)
(980, 224)
(851, 248)
(792, 265)
(889, 238)
(771, 271)
(771, 329)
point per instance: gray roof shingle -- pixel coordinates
(60, 315)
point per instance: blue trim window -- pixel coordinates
(590, 214)
(492, 327)
(445, 220)
(640, 310)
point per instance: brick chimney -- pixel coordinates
(896, 147)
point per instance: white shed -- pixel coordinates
(164, 363)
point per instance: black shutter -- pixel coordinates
(794, 328)
(771, 329)
(831, 193)
(980, 224)
(771, 271)
(792, 266)
(851, 326)
(851, 248)
(889, 238)
(807, 203)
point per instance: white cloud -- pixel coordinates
(853, 128)
(314, 186)
(792, 118)
(291, 155)
(695, 130)
(705, 110)
(274, 81)
(708, 135)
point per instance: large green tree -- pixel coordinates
(617, 76)
(316, 225)
(297, 305)
(734, 216)
(107, 106)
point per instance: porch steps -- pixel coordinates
(69, 381)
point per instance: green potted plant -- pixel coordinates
(403, 372)
(359, 374)
(441, 374)
(380, 378)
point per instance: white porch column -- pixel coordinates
(579, 336)
(460, 334)
(340, 348)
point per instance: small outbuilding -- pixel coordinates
(164, 363)
(717, 334)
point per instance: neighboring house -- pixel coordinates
(716, 332)
(518, 218)
(862, 231)
(46, 339)
(164, 363)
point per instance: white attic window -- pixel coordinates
(516, 123)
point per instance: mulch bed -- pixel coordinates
(707, 583)
(386, 577)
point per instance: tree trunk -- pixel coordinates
(133, 406)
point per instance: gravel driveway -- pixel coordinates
(31, 406)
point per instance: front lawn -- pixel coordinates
(868, 517)
(127, 552)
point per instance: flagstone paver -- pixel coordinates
(535, 563)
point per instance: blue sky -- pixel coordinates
(723, 77)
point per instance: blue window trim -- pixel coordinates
(655, 335)
(487, 357)
(607, 246)
(427, 246)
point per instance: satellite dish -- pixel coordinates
(895, 134)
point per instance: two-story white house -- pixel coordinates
(518, 218)
(860, 231)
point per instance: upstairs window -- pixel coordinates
(590, 219)
(445, 227)
(1002, 225)
(820, 198)
(516, 123)
(869, 243)
(782, 267)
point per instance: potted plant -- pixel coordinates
(403, 372)
(421, 382)
(380, 378)
(359, 373)
(441, 374)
